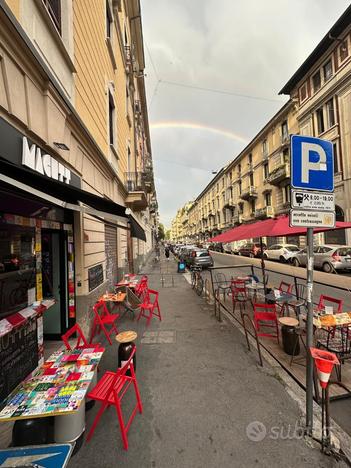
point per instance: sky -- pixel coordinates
(214, 70)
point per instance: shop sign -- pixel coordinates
(45, 164)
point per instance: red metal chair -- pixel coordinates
(330, 301)
(142, 287)
(81, 342)
(110, 390)
(103, 317)
(285, 287)
(265, 315)
(147, 308)
(239, 294)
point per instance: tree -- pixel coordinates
(161, 231)
(168, 234)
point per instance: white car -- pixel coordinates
(281, 252)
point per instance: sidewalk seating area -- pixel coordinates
(200, 391)
(278, 319)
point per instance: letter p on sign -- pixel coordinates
(312, 163)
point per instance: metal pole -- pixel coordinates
(309, 333)
(263, 267)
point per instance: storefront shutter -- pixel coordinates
(111, 254)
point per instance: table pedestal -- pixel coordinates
(290, 338)
(69, 427)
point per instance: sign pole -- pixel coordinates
(309, 333)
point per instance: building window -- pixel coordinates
(320, 120)
(253, 206)
(54, 9)
(268, 199)
(327, 70)
(251, 180)
(286, 193)
(316, 81)
(239, 168)
(336, 161)
(240, 187)
(286, 157)
(303, 92)
(111, 118)
(109, 21)
(285, 131)
(330, 113)
(250, 158)
(264, 146)
(343, 50)
(265, 171)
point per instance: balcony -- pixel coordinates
(283, 208)
(135, 186)
(228, 202)
(263, 213)
(279, 174)
(248, 217)
(137, 109)
(285, 139)
(148, 179)
(249, 193)
(237, 218)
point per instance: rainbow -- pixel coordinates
(198, 126)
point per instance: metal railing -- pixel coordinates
(134, 181)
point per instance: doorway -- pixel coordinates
(54, 277)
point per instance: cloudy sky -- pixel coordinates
(214, 70)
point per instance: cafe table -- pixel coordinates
(280, 298)
(57, 389)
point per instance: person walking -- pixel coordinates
(167, 252)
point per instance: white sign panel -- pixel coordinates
(312, 219)
(307, 200)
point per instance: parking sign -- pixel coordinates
(312, 163)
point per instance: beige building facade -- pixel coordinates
(256, 183)
(76, 173)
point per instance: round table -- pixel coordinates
(290, 338)
(126, 346)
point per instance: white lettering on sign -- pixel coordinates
(44, 163)
(308, 165)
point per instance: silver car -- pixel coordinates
(327, 257)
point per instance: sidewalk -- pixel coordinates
(200, 389)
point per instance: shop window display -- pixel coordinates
(17, 268)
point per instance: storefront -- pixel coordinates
(39, 195)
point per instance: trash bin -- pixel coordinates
(290, 338)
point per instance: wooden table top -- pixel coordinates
(126, 337)
(119, 297)
(288, 321)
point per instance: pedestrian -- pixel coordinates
(167, 252)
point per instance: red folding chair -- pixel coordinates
(142, 287)
(147, 308)
(102, 319)
(239, 294)
(81, 342)
(265, 315)
(110, 390)
(285, 287)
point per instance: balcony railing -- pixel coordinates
(283, 208)
(134, 181)
(249, 193)
(265, 212)
(279, 174)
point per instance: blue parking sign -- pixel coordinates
(44, 456)
(312, 163)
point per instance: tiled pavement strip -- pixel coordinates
(206, 401)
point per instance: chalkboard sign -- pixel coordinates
(18, 356)
(95, 276)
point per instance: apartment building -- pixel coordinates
(256, 184)
(78, 201)
(321, 92)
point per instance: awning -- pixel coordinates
(135, 229)
(59, 193)
(277, 227)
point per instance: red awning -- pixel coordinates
(278, 227)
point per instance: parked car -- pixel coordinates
(281, 252)
(227, 248)
(251, 249)
(200, 257)
(185, 252)
(327, 257)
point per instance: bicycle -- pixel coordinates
(197, 281)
